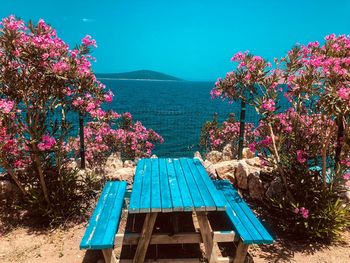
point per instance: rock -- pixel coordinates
(227, 152)
(154, 156)
(254, 162)
(242, 173)
(198, 155)
(347, 196)
(9, 192)
(209, 167)
(226, 170)
(214, 156)
(113, 163)
(128, 164)
(126, 174)
(247, 153)
(275, 190)
(255, 186)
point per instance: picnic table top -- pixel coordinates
(173, 184)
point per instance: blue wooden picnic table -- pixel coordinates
(173, 186)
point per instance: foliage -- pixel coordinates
(314, 131)
(42, 83)
(215, 136)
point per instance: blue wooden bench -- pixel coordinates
(246, 225)
(105, 219)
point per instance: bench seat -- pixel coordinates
(105, 219)
(246, 225)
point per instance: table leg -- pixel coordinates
(145, 237)
(241, 252)
(109, 255)
(207, 237)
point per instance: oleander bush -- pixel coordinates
(308, 143)
(43, 83)
(215, 135)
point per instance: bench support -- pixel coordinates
(241, 252)
(145, 237)
(207, 236)
(109, 255)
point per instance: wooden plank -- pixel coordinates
(235, 219)
(262, 236)
(174, 186)
(164, 187)
(217, 197)
(145, 238)
(134, 205)
(109, 256)
(146, 193)
(184, 190)
(103, 220)
(195, 194)
(156, 204)
(114, 219)
(91, 228)
(241, 253)
(168, 238)
(206, 196)
(206, 234)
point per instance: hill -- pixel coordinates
(138, 74)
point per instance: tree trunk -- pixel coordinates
(241, 129)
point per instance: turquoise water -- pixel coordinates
(175, 109)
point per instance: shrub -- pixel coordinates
(315, 130)
(215, 136)
(42, 84)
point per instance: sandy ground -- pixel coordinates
(62, 245)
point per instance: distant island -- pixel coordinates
(137, 75)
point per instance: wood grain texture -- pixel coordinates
(145, 237)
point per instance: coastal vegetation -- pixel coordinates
(308, 144)
(43, 84)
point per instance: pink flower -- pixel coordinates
(251, 147)
(296, 210)
(344, 93)
(6, 106)
(109, 96)
(88, 41)
(346, 176)
(304, 212)
(301, 156)
(46, 143)
(268, 105)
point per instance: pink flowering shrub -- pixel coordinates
(308, 144)
(132, 140)
(42, 83)
(216, 137)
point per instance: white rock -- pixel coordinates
(154, 156)
(227, 152)
(242, 172)
(347, 196)
(214, 156)
(113, 163)
(226, 170)
(254, 162)
(209, 167)
(125, 174)
(198, 155)
(128, 163)
(247, 153)
(256, 187)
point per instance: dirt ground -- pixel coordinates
(26, 245)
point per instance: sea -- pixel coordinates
(176, 110)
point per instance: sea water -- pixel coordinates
(176, 110)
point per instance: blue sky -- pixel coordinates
(193, 39)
